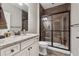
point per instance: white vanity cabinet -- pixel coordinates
(28, 47)
(32, 50)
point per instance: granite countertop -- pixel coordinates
(15, 39)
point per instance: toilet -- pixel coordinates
(43, 48)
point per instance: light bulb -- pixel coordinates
(20, 4)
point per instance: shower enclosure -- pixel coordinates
(55, 29)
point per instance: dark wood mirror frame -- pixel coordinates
(3, 24)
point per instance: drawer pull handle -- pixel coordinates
(12, 50)
(28, 48)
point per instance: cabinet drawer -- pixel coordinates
(27, 43)
(10, 50)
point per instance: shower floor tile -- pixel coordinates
(56, 53)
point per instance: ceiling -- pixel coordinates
(44, 5)
(49, 5)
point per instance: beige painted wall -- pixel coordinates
(33, 15)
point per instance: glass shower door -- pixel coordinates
(46, 29)
(60, 29)
(55, 30)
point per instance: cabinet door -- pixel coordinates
(75, 41)
(34, 49)
(24, 52)
(36, 46)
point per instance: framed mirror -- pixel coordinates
(15, 16)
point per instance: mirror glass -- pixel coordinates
(7, 18)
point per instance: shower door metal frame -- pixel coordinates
(69, 32)
(52, 31)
